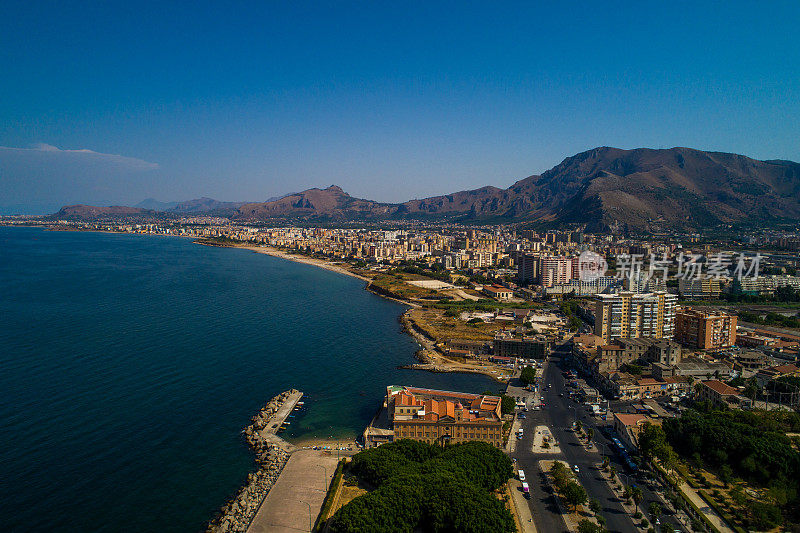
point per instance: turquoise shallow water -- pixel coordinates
(129, 364)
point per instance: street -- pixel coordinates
(559, 414)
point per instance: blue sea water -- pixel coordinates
(129, 365)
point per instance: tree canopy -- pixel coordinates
(752, 445)
(528, 375)
(422, 487)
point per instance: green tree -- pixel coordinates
(424, 487)
(726, 474)
(528, 375)
(765, 516)
(594, 506)
(508, 404)
(575, 494)
(590, 433)
(560, 474)
(655, 510)
(636, 494)
(587, 526)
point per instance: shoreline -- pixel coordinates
(429, 358)
(298, 258)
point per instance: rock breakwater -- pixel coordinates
(271, 454)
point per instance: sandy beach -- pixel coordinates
(274, 252)
(321, 263)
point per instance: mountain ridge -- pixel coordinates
(643, 188)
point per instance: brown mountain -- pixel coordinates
(91, 212)
(331, 203)
(204, 205)
(644, 188)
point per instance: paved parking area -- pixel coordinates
(296, 498)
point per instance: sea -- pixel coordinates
(129, 365)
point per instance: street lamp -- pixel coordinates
(310, 522)
(326, 475)
(603, 444)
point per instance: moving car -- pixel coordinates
(576, 469)
(521, 474)
(526, 490)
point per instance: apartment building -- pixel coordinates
(435, 416)
(536, 347)
(527, 267)
(556, 270)
(705, 330)
(700, 288)
(632, 315)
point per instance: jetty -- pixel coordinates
(271, 455)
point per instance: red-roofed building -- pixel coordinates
(723, 395)
(774, 372)
(629, 426)
(497, 292)
(441, 416)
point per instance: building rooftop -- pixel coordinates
(721, 388)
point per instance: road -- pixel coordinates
(559, 414)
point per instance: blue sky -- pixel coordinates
(391, 101)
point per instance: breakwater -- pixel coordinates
(271, 454)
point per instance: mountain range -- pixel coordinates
(642, 189)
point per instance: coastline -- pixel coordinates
(274, 252)
(429, 358)
(297, 258)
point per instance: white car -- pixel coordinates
(521, 474)
(576, 469)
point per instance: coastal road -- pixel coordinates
(558, 415)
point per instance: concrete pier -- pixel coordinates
(271, 455)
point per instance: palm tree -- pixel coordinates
(636, 494)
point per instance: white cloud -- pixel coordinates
(48, 150)
(44, 174)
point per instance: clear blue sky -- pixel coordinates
(390, 100)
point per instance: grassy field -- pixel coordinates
(442, 327)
